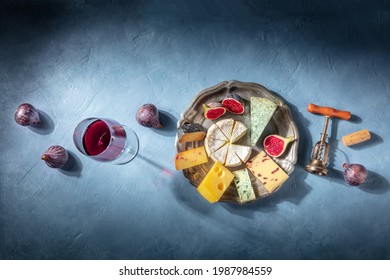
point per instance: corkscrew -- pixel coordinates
(320, 153)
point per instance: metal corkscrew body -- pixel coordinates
(320, 153)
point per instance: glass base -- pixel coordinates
(131, 148)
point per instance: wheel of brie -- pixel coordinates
(221, 143)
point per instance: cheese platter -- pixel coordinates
(220, 144)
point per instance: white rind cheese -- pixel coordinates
(262, 110)
(215, 133)
(226, 126)
(232, 159)
(244, 186)
(221, 148)
(239, 130)
(243, 152)
(220, 154)
(212, 145)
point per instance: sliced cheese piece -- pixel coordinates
(226, 126)
(215, 133)
(191, 132)
(232, 159)
(212, 145)
(220, 154)
(244, 186)
(267, 171)
(243, 152)
(191, 158)
(215, 183)
(239, 130)
(262, 110)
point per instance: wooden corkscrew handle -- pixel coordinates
(328, 112)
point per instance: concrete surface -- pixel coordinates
(77, 59)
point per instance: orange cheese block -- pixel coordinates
(190, 158)
(215, 183)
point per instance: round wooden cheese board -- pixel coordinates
(281, 123)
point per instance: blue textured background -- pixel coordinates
(76, 59)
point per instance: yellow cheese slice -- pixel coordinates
(212, 145)
(220, 154)
(226, 126)
(232, 159)
(267, 171)
(191, 158)
(239, 130)
(215, 133)
(243, 152)
(215, 183)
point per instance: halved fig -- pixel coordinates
(213, 111)
(234, 104)
(275, 145)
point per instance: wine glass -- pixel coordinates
(106, 140)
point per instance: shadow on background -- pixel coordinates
(375, 184)
(47, 125)
(355, 119)
(336, 175)
(73, 167)
(169, 122)
(187, 195)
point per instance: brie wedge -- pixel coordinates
(243, 152)
(215, 133)
(226, 126)
(212, 145)
(220, 154)
(238, 132)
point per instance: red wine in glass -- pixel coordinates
(106, 140)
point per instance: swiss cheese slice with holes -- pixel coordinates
(217, 180)
(239, 130)
(226, 126)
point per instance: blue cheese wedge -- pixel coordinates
(226, 126)
(244, 186)
(239, 130)
(262, 110)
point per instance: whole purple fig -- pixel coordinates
(26, 114)
(354, 174)
(147, 115)
(55, 156)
